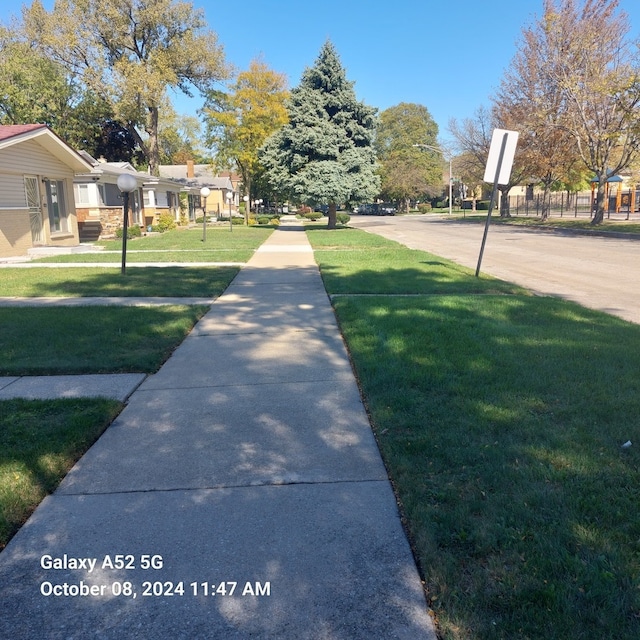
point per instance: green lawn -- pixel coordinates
(66, 340)
(501, 419)
(568, 222)
(217, 238)
(108, 281)
(181, 245)
(553, 222)
(39, 442)
(155, 255)
(354, 262)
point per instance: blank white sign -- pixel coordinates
(494, 155)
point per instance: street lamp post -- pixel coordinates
(126, 183)
(246, 209)
(229, 199)
(428, 146)
(204, 194)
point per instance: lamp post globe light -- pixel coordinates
(126, 183)
(204, 194)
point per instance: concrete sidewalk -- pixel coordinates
(118, 386)
(240, 494)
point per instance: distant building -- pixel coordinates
(195, 176)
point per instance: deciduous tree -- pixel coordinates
(240, 120)
(36, 89)
(325, 153)
(179, 138)
(129, 52)
(473, 136)
(408, 171)
(587, 72)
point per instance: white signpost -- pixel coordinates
(498, 171)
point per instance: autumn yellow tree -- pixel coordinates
(240, 120)
(130, 52)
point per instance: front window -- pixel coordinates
(136, 209)
(57, 206)
(82, 194)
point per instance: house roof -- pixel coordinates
(110, 171)
(10, 130)
(12, 134)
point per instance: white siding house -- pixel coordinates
(36, 189)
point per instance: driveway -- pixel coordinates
(596, 272)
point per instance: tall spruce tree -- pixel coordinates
(325, 154)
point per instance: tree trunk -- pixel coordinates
(546, 204)
(332, 216)
(505, 211)
(598, 215)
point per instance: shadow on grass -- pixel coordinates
(147, 281)
(501, 420)
(74, 340)
(404, 277)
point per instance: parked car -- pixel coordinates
(376, 209)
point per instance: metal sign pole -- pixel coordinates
(492, 201)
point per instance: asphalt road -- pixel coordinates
(596, 272)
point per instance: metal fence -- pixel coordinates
(575, 205)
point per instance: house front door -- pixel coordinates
(32, 189)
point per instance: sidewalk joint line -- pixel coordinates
(274, 483)
(251, 384)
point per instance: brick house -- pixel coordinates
(99, 201)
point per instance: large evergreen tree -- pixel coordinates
(325, 154)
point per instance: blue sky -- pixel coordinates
(447, 56)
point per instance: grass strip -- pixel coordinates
(179, 245)
(39, 442)
(205, 282)
(72, 340)
(219, 237)
(501, 420)
(567, 222)
(159, 255)
(583, 224)
(352, 261)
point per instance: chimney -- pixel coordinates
(190, 172)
